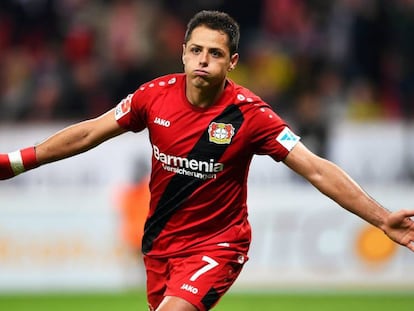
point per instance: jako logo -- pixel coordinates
(162, 122)
(189, 288)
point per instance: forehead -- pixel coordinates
(209, 38)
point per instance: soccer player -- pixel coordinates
(204, 130)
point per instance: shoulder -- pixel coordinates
(161, 84)
(147, 95)
(247, 100)
(257, 113)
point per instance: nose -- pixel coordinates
(203, 59)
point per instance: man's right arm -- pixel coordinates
(70, 141)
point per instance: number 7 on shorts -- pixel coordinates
(211, 263)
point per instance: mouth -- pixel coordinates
(200, 73)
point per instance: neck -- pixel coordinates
(203, 97)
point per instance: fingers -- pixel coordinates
(401, 228)
(405, 212)
(402, 214)
(410, 245)
(408, 213)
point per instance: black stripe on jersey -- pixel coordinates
(181, 187)
(210, 298)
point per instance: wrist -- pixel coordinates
(23, 160)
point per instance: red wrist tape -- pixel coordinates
(29, 158)
(5, 167)
(17, 162)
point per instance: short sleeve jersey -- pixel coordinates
(200, 162)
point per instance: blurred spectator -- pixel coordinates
(363, 102)
(368, 40)
(330, 88)
(126, 41)
(402, 24)
(271, 73)
(166, 53)
(15, 74)
(74, 59)
(310, 123)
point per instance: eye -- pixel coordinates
(216, 54)
(195, 50)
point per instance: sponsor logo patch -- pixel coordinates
(220, 133)
(123, 108)
(188, 167)
(287, 138)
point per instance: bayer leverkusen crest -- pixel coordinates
(220, 133)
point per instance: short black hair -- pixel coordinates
(216, 20)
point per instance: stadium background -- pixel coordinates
(340, 71)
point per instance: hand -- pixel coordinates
(400, 228)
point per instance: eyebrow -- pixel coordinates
(208, 48)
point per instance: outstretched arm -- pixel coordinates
(78, 138)
(332, 181)
(68, 142)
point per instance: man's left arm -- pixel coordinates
(335, 183)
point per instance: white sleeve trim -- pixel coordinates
(16, 162)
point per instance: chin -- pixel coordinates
(199, 82)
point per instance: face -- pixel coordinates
(207, 59)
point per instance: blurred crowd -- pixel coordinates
(315, 61)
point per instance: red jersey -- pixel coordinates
(200, 162)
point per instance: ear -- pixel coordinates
(182, 56)
(233, 61)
